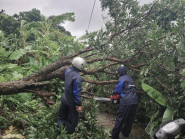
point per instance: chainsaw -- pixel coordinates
(113, 99)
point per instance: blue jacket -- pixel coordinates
(73, 83)
(126, 88)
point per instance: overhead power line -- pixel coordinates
(91, 15)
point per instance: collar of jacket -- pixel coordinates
(74, 69)
(123, 74)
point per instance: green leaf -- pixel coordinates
(7, 66)
(16, 75)
(157, 96)
(63, 17)
(24, 97)
(168, 114)
(45, 52)
(149, 129)
(17, 54)
(2, 79)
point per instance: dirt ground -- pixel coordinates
(108, 120)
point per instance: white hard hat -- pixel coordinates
(78, 63)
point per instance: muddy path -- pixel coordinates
(107, 121)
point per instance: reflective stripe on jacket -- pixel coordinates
(126, 89)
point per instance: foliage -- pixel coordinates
(30, 16)
(36, 45)
(157, 96)
(151, 38)
(57, 20)
(160, 99)
(8, 24)
(31, 117)
(35, 120)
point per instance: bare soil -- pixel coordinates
(107, 121)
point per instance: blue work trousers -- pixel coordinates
(67, 116)
(124, 120)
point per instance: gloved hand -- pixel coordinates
(79, 108)
(115, 98)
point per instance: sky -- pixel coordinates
(81, 8)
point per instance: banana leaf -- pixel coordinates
(156, 95)
(168, 115)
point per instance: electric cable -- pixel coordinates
(91, 15)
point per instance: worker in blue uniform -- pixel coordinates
(128, 104)
(71, 97)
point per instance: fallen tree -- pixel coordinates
(144, 38)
